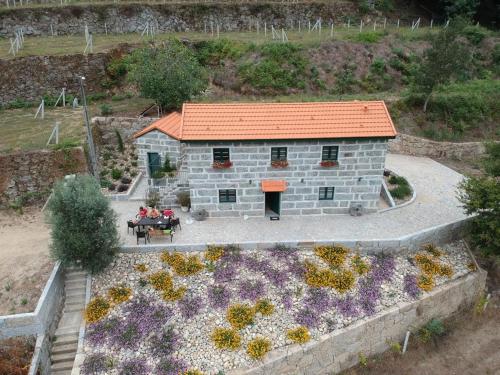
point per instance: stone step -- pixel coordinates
(63, 357)
(65, 339)
(62, 366)
(60, 372)
(67, 331)
(75, 293)
(73, 308)
(75, 288)
(71, 347)
(73, 274)
(76, 280)
(75, 299)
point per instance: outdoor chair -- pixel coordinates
(142, 234)
(175, 223)
(131, 224)
(169, 232)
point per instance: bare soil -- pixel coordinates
(24, 260)
(15, 355)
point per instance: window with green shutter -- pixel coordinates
(227, 196)
(326, 193)
(330, 153)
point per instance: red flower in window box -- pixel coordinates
(279, 163)
(222, 164)
(329, 163)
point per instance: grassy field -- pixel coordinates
(74, 44)
(20, 131)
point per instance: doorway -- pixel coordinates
(154, 163)
(273, 203)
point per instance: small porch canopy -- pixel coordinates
(273, 186)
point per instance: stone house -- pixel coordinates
(273, 159)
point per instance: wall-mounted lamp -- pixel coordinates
(359, 179)
(302, 180)
(249, 182)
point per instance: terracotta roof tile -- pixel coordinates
(170, 125)
(257, 121)
(273, 186)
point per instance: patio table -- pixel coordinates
(159, 221)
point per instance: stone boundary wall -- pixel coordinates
(24, 173)
(416, 146)
(42, 320)
(127, 18)
(105, 128)
(339, 350)
(40, 362)
(439, 235)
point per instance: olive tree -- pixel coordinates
(83, 224)
(169, 74)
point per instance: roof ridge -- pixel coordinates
(282, 103)
(182, 121)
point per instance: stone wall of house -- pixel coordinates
(32, 174)
(30, 78)
(156, 141)
(104, 128)
(411, 145)
(339, 350)
(127, 18)
(357, 178)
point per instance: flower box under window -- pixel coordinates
(279, 163)
(222, 164)
(329, 163)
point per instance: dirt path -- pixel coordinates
(24, 263)
(470, 347)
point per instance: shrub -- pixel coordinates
(165, 342)
(141, 267)
(158, 174)
(121, 188)
(173, 294)
(96, 363)
(214, 253)
(400, 192)
(105, 183)
(432, 329)
(136, 366)
(126, 180)
(368, 36)
(264, 306)
(343, 281)
(192, 371)
(183, 265)
(445, 270)
(213, 52)
(119, 294)
(161, 280)
(427, 264)
(433, 250)
(333, 255)
(106, 109)
(258, 347)
(240, 315)
(184, 198)
(397, 180)
(225, 338)
(112, 187)
(116, 173)
(96, 309)
(475, 34)
(317, 277)
(425, 282)
(219, 296)
(299, 335)
(359, 265)
(152, 199)
(83, 224)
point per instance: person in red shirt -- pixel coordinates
(143, 212)
(168, 213)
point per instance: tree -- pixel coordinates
(448, 58)
(455, 8)
(83, 224)
(481, 197)
(170, 74)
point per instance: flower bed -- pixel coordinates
(118, 168)
(227, 308)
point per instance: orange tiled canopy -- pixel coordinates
(271, 186)
(259, 121)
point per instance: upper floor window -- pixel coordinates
(221, 154)
(326, 193)
(278, 153)
(330, 153)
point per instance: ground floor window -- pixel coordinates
(326, 193)
(227, 196)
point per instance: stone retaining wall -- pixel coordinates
(127, 126)
(416, 146)
(339, 350)
(42, 320)
(32, 174)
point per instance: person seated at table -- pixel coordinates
(168, 213)
(143, 212)
(154, 213)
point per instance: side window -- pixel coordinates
(326, 193)
(221, 154)
(330, 153)
(227, 196)
(278, 153)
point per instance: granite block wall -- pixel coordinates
(357, 178)
(156, 141)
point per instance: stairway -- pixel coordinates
(65, 343)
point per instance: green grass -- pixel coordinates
(75, 44)
(20, 131)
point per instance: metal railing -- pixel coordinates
(180, 178)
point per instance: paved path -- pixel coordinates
(436, 204)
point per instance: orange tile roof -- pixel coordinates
(170, 125)
(260, 121)
(269, 186)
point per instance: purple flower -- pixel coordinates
(224, 272)
(232, 254)
(276, 277)
(95, 364)
(369, 293)
(286, 299)
(382, 268)
(251, 290)
(98, 333)
(317, 300)
(347, 307)
(281, 251)
(136, 366)
(170, 366)
(296, 267)
(410, 286)
(164, 343)
(307, 317)
(148, 314)
(189, 306)
(255, 265)
(219, 296)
